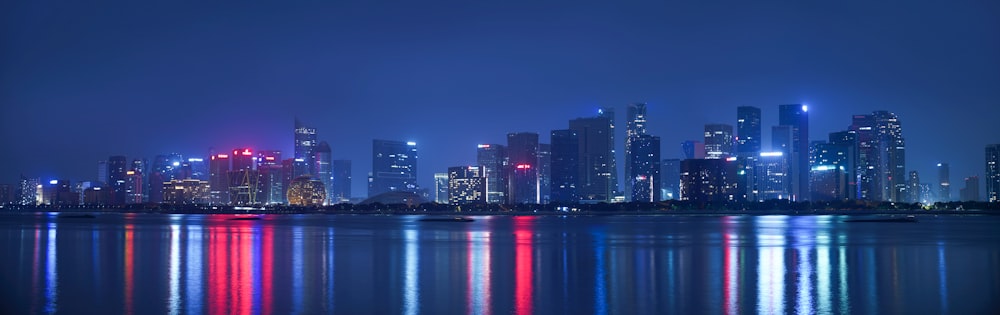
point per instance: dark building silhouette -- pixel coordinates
(915, 191)
(244, 178)
(544, 172)
(944, 183)
(693, 149)
(866, 168)
(117, 172)
(324, 168)
(971, 190)
(271, 177)
(848, 142)
(218, 178)
(596, 158)
(645, 168)
(748, 129)
(635, 126)
(796, 117)
(708, 180)
(670, 172)
(341, 181)
(993, 173)
(494, 158)
(522, 153)
(394, 167)
(892, 156)
(564, 166)
(718, 141)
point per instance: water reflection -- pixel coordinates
(141, 264)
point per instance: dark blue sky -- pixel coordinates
(80, 82)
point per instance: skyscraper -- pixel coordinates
(718, 141)
(609, 113)
(441, 188)
(494, 158)
(867, 158)
(708, 180)
(993, 173)
(544, 172)
(971, 190)
(645, 165)
(596, 158)
(117, 169)
(829, 169)
(522, 152)
(244, 179)
(564, 166)
(892, 156)
(324, 169)
(848, 142)
(272, 177)
(748, 131)
(341, 181)
(693, 149)
(394, 167)
(914, 187)
(670, 172)
(28, 190)
(796, 116)
(466, 185)
(218, 179)
(635, 126)
(305, 149)
(771, 177)
(944, 183)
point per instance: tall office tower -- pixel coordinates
(708, 180)
(748, 131)
(645, 165)
(102, 172)
(944, 183)
(771, 177)
(272, 189)
(522, 152)
(394, 167)
(670, 172)
(244, 180)
(892, 156)
(494, 158)
(796, 116)
(848, 142)
(341, 181)
(609, 113)
(596, 159)
(441, 184)
(564, 166)
(28, 188)
(305, 150)
(544, 172)
(466, 185)
(324, 169)
(140, 167)
(6, 194)
(971, 190)
(868, 158)
(287, 175)
(635, 126)
(134, 183)
(197, 169)
(218, 179)
(829, 169)
(693, 149)
(913, 184)
(993, 173)
(718, 141)
(117, 166)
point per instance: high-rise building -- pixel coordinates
(944, 183)
(867, 164)
(244, 179)
(218, 179)
(609, 113)
(693, 149)
(494, 158)
(394, 167)
(324, 169)
(771, 177)
(28, 190)
(466, 185)
(635, 126)
(644, 163)
(305, 150)
(102, 172)
(708, 180)
(341, 181)
(117, 168)
(914, 188)
(544, 172)
(971, 190)
(796, 116)
(892, 156)
(187, 191)
(670, 172)
(993, 173)
(306, 191)
(596, 180)
(847, 142)
(6, 194)
(830, 163)
(441, 184)
(564, 166)
(748, 138)
(718, 141)
(522, 153)
(271, 177)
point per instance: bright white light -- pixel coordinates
(805, 108)
(779, 153)
(177, 163)
(411, 143)
(53, 182)
(939, 164)
(195, 160)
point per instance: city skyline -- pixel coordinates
(180, 82)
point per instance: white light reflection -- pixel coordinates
(845, 304)
(193, 268)
(329, 270)
(823, 276)
(51, 274)
(297, 295)
(943, 278)
(771, 265)
(174, 301)
(411, 297)
(479, 273)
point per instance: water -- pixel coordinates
(309, 264)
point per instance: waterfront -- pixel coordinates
(195, 264)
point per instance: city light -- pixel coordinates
(484, 146)
(805, 108)
(766, 154)
(523, 166)
(53, 182)
(411, 143)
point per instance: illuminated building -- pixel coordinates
(102, 172)
(748, 138)
(272, 175)
(544, 172)
(186, 191)
(341, 181)
(866, 175)
(847, 141)
(287, 171)
(609, 114)
(596, 179)
(645, 166)
(133, 186)
(494, 158)
(828, 183)
(971, 190)
(305, 149)
(58, 193)
(635, 126)
(394, 167)
(466, 185)
(914, 188)
(670, 172)
(693, 149)
(306, 191)
(244, 179)
(708, 180)
(117, 166)
(796, 117)
(441, 186)
(564, 167)
(218, 179)
(993, 173)
(522, 153)
(718, 141)
(892, 156)
(27, 190)
(944, 183)
(324, 168)
(164, 168)
(771, 176)
(95, 196)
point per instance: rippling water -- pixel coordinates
(307, 264)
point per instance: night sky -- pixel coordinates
(80, 82)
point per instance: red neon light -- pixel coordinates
(523, 166)
(269, 158)
(223, 156)
(246, 152)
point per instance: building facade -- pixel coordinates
(564, 166)
(466, 185)
(595, 157)
(522, 153)
(993, 173)
(394, 167)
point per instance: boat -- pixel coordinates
(77, 216)
(906, 219)
(452, 219)
(253, 218)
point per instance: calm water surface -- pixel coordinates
(309, 264)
